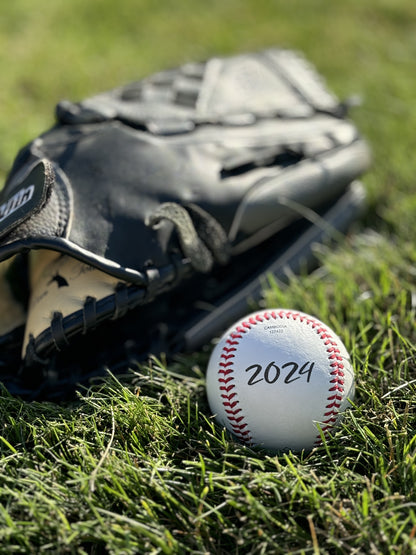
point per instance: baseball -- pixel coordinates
(278, 379)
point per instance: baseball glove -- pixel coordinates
(148, 217)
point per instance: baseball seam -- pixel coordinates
(226, 373)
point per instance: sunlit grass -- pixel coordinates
(137, 464)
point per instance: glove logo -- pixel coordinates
(19, 205)
(18, 200)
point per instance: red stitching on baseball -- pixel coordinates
(231, 405)
(225, 372)
(225, 365)
(334, 357)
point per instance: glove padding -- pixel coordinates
(146, 218)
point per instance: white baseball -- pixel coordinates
(278, 379)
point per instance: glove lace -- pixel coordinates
(201, 237)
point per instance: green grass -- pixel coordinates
(137, 465)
